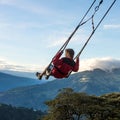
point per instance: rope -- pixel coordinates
(94, 30)
(80, 24)
(68, 40)
(92, 16)
(93, 23)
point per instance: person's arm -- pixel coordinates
(76, 67)
(56, 58)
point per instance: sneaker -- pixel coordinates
(47, 77)
(39, 75)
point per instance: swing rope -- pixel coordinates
(80, 24)
(94, 29)
(68, 40)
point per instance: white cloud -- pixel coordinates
(57, 40)
(88, 64)
(19, 25)
(115, 26)
(102, 63)
(5, 65)
(56, 43)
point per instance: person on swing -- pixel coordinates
(61, 66)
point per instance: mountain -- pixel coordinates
(8, 81)
(19, 73)
(95, 82)
(22, 74)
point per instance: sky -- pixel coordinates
(32, 31)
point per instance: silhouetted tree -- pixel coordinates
(7, 112)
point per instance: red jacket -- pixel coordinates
(63, 66)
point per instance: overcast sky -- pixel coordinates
(31, 32)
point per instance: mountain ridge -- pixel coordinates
(96, 82)
(8, 81)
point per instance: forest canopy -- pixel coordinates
(70, 105)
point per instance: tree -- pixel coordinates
(8, 112)
(70, 105)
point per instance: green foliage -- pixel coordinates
(7, 112)
(70, 105)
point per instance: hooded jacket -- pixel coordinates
(63, 66)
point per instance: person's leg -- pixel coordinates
(40, 75)
(46, 72)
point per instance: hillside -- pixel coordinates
(8, 81)
(7, 112)
(19, 73)
(97, 82)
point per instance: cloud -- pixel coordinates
(56, 43)
(88, 64)
(102, 63)
(5, 65)
(115, 26)
(19, 25)
(57, 40)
